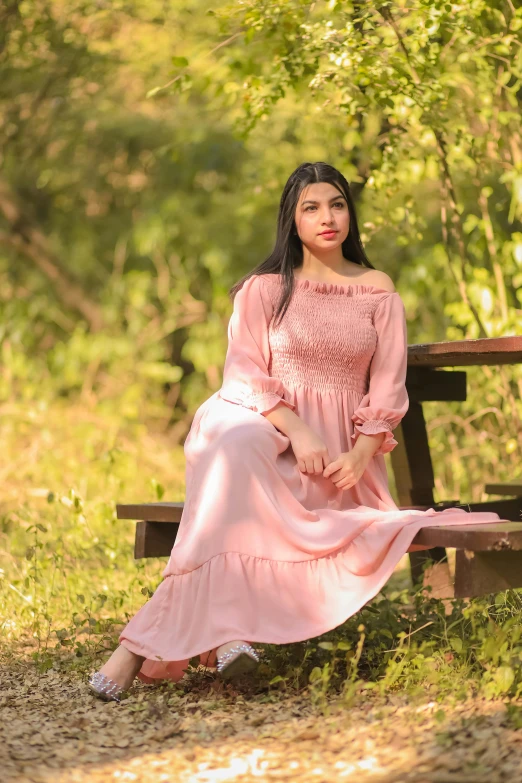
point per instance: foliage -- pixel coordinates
(139, 180)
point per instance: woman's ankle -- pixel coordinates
(122, 666)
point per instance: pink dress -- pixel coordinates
(265, 553)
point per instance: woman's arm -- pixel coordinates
(285, 419)
(245, 374)
(367, 445)
(386, 403)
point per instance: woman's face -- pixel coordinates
(321, 217)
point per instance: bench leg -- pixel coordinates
(480, 573)
(419, 568)
(154, 539)
(414, 481)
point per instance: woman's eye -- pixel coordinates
(337, 204)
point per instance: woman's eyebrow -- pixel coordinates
(334, 198)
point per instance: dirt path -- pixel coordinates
(52, 729)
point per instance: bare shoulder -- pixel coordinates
(380, 280)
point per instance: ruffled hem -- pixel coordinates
(238, 596)
(261, 402)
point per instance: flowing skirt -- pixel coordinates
(265, 553)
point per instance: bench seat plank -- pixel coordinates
(466, 353)
(152, 512)
(494, 537)
(488, 557)
(478, 538)
(505, 488)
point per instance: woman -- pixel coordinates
(289, 527)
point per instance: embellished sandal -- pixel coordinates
(238, 660)
(105, 688)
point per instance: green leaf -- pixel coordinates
(504, 678)
(456, 644)
(315, 674)
(179, 62)
(277, 679)
(326, 645)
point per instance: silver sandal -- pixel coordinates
(105, 688)
(240, 659)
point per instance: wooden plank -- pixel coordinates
(466, 353)
(511, 488)
(496, 536)
(154, 539)
(414, 479)
(425, 384)
(509, 508)
(411, 460)
(153, 512)
(480, 573)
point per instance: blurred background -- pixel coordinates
(144, 145)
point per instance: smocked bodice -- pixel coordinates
(327, 337)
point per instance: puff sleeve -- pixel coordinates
(245, 375)
(386, 402)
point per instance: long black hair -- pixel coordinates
(288, 248)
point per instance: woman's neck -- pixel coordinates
(317, 270)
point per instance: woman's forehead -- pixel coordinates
(318, 191)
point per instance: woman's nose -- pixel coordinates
(327, 215)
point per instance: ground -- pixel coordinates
(53, 729)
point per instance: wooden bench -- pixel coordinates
(426, 381)
(488, 558)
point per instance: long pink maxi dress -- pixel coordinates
(264, 552)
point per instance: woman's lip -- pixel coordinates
(327, 233)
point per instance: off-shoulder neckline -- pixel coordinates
(334, 288)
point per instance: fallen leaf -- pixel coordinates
(169, 731)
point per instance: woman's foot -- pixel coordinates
(122, 667)
(236, 658)
(117, 674)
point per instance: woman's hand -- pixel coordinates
(310, 450)
(346, 470)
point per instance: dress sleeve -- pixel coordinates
(386, 402)
(245, 375)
